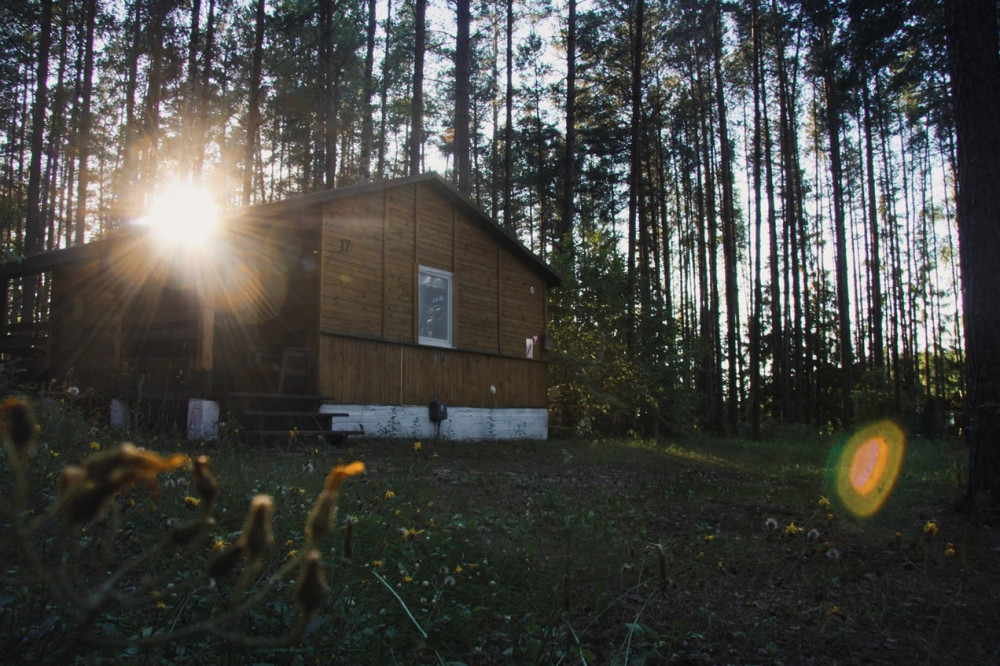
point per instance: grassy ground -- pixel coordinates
(588, 551)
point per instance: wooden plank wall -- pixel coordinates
(522, 306)
(351, 278)
(360, 371)
(372, 247)
(477, 311)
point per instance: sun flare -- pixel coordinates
(865, 469)
(183, 214)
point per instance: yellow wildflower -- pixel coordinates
(949, 550)
(792, 529)
(824, 503)
(930, 529)
(709, 537)
(130, 503)
(417, 446)
(458, 568)
(378, 564)
(218, 545)
(160, 605)
(191, 501)
(292, 554)
(407, 579)
(389, 494)
(95, 446)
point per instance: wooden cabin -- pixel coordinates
(398, 308)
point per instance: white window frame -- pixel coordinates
(449, 278)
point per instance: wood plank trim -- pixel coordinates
(417, 345)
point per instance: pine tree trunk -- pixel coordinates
(367, 112)
(728, 230)
(384, 97)
(832, 90)
(83, 128)
(508, 136)
(34, 231)
(756, 157)
(635, 168)
(417, 103)
(253, 110)
(463, 73)
(975, 69)
(564, 241)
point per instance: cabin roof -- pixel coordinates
(49, 260)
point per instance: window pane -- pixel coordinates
(435, 306)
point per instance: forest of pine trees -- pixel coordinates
(752, 204)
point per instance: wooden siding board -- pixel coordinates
(378, 372)
(436, 227)
(400, 251)
(523, 311)
(353, 256)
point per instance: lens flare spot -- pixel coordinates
(868, 465)
(865, 469)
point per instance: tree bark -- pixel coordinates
(34, 231)
(463, 75)
(417, 102)
(83, 136)
(975, 69)
(253, 110)
(878, 341)
(635, 168)
(564, 242)
(728, 228)
(508, 131)
(367, 113)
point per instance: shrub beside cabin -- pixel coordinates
(394, 309)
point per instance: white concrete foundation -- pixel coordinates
(120, 415)
(203, 419)
(463, 423)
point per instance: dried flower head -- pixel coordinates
(205, 483)
(320, 519)
(19, 427)
(310, 591)
(128, 464)
(184, 533)
(339, 473)
(224, 561)
(257, 535)
(85, 491)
